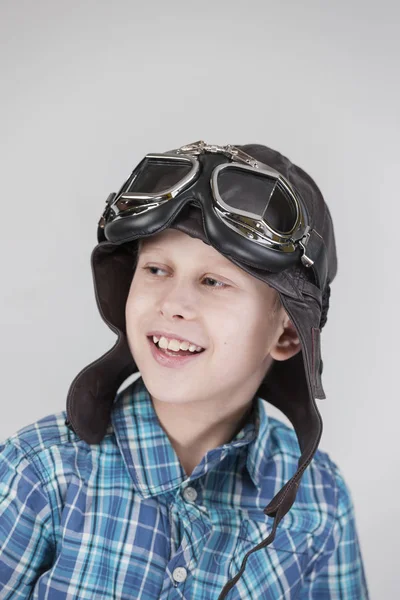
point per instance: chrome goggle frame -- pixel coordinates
(247, 224)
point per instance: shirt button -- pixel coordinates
(179, 574)
(190, 494)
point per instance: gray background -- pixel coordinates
(87, 88)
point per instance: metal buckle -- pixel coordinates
(307, 262)
(200, 147)
(107, 211)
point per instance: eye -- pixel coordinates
(219, 284)
(154, 268)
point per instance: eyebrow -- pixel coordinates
(151, 248)
(215, 261)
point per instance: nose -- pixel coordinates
(179, 300)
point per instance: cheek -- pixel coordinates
(135, 303)
(250, 328)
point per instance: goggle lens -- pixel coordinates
(259, 194)
(156, 176)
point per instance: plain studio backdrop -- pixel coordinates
(89, 87)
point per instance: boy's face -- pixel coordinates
(194, 291)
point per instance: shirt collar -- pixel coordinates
(150, 458)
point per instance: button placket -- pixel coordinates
(179, 574)
(190, 494)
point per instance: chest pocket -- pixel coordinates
(275, 572)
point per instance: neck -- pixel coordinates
(192, 431)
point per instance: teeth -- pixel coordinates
(175, 345)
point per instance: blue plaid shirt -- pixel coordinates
(120, 520)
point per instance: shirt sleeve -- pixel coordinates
(26, 539)
(338, 573)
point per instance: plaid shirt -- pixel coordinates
(121, 520)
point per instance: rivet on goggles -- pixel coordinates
(275, 219)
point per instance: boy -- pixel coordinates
(173, 486)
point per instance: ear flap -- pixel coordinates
(92, 392)
(112, 270)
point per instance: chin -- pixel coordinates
(176, 392)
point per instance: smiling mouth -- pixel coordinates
(169, 352)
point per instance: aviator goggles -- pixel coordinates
(250, 211)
